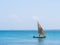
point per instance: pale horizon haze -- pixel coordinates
(21, 14)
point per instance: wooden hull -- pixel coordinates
(39, 37)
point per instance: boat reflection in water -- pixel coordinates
(41, 41)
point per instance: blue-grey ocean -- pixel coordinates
(25, 37)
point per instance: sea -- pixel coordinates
(25, 37)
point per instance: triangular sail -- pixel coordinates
(40, 32)
(40, 29)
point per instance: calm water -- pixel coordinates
(26, 38)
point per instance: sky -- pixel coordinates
(19, 14)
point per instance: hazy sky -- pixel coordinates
(18, 14)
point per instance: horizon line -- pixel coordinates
(29, 29)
